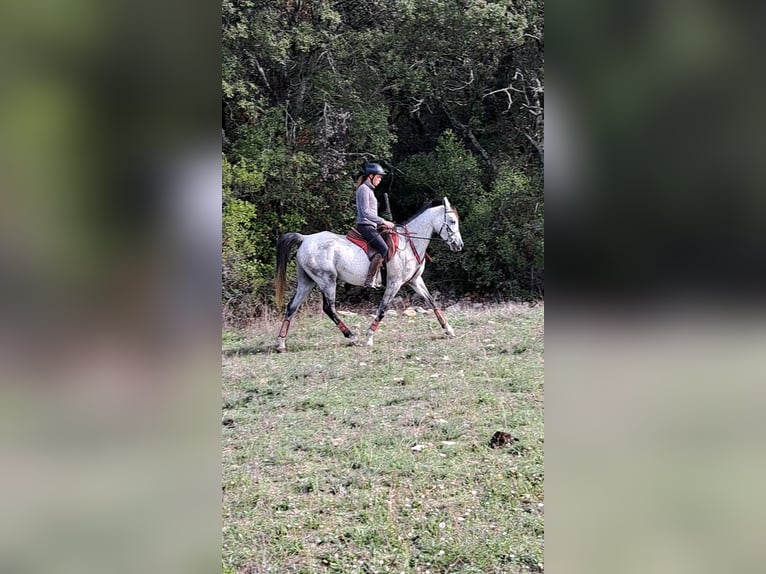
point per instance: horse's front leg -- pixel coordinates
(328, 305)
(420, 288)
(391, 290)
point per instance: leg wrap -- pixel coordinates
(345, 330)
(374, 326)
(440, 315)
(285, 328)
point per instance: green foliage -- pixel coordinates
(369, 130)
(447, 91)
(504, 252)
(450, 170)
(245, 248)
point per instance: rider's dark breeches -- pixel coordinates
(373, 238)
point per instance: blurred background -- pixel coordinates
(654, 361)
(656, 130)
(109, 280)
(110, 262)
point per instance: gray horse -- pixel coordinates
(325, 257)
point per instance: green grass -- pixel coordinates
(319, 473)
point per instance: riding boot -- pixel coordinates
(375, 263)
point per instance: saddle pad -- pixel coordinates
(391, 239)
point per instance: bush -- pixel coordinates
(245, 247)
(449, 171)
(504, 237)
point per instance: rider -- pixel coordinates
(367, 218)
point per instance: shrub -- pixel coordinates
(245, 247)
(448, 171)
(504, 237)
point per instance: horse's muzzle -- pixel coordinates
(456, 245)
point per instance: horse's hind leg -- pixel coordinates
(302, 291)
(420, 288)
(328, 305)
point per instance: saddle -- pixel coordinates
(391, 239)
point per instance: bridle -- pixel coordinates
(450, 232)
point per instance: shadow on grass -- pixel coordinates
(250, 350)
(271, 348)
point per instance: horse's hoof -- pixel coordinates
(281, 350)
(352, 340)
(449, 331)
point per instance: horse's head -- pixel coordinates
(448, 227)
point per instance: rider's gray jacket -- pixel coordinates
(367, 206)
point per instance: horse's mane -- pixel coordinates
(426, 205)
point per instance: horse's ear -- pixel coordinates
(447, 206)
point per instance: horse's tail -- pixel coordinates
(284, 245)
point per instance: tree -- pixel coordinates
(448, 93)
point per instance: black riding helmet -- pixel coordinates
(374, 168)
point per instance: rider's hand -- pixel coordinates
(388, 224)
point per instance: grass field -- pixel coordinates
(355, 459)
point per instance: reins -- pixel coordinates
(407, 234)
(434, 236)
(410, 237)
(412, 246)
